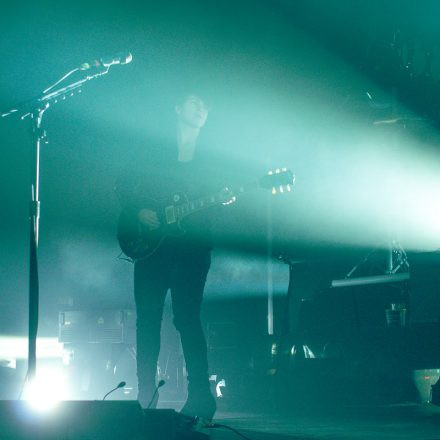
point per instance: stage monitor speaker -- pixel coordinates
(73, 420)
(94, 420)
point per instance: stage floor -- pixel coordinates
(110, 420)
(415, 422)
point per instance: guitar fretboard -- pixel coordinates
(281, 178)
(198, 204)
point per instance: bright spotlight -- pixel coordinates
(46, 390)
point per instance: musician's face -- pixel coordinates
(193, 111)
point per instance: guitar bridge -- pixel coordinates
(170, 215)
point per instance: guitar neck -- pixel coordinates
(199, 204)
(221, 197)
(277, 181)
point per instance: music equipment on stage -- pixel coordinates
(97, 326)
(139, 241)
(96, 420)
(86, 420)
(374, 279)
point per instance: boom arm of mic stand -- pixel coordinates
(27, 108)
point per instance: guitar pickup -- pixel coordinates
(170, 215)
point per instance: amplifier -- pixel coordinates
(97, 326)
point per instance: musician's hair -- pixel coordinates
(199, 91)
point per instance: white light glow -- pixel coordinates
(14, 347)
(46, 390)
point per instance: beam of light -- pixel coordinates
(301, 108)
(15, 347)
(246, 275)
(372, 194)
(48, 388)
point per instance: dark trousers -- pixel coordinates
(184, 273)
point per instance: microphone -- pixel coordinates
(160, 384)
(120, 58)
(120, 385)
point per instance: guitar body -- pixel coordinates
(139, 241)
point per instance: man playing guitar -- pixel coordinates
(180, 264)
(169, 240)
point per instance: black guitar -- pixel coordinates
(138, 241)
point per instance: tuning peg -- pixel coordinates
(274, 190)
(281, 189)
(289, 188)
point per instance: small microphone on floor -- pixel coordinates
(160, 384)
(120, 385)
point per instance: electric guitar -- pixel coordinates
(139, 241)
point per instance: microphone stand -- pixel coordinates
(34, 222)
(35, 109)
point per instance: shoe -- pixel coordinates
(201, 405)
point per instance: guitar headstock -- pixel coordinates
(227, 196)
(278, 181)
